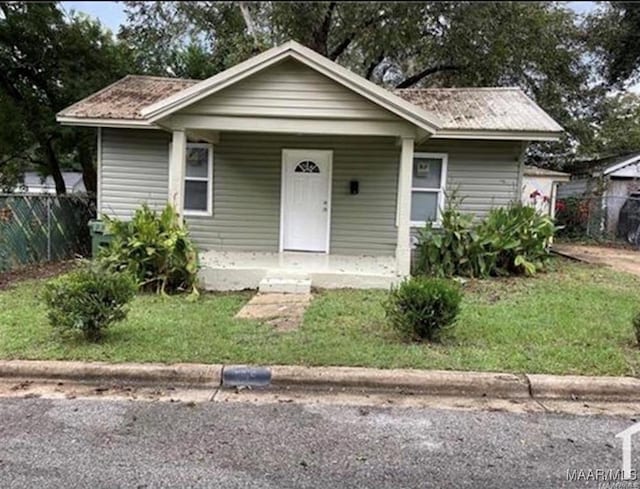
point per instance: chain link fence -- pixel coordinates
(42, 228)
(600, 217)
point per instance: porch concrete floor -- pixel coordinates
(233, 270)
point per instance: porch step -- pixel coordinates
(285, 284)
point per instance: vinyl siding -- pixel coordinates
(246, 200)
(484, 173)
(290, 89)
(134, 169)
(247, 178)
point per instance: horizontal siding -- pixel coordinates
(247, 175)
(289, 89)
(246, 201)
(134, 170)
(484, 173)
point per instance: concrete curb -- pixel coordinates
(147, 374)
(401, 381)
(434, 382)
(584, 388)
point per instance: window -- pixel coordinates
(427, 187)
(307, 167)
(198, 179)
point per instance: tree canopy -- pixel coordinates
(573, 66)
(48, 62)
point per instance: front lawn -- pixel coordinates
(575, 319)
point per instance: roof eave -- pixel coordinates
(622, 164)
(498, 135)
(103, 122)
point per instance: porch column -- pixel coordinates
(403, 246)
(177, 163)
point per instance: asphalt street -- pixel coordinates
(93, 443)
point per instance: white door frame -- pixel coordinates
(283, 185)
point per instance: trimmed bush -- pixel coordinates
(636, 326)
(88, 300)
(155, 248)
(420, 307)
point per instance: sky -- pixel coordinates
(112, 15)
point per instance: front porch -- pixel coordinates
(234, 270)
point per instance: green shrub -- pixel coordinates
(518, 239)
(155, 248)
(511, 240)
(88, 300)
(636, 326)
(420, 307)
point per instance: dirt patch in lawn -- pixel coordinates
(622, 259)
(31, 272)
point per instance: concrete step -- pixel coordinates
(285, 284)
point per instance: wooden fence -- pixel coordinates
(41, 228)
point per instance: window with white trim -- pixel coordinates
(198, 179)
(427, 187)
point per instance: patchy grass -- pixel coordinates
(574, 319)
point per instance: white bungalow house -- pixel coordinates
(289, 166)
(34, 183)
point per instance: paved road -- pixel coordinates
(107, 444)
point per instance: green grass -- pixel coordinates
(574, 319)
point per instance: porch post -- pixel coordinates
(177, 163)
(403, 246)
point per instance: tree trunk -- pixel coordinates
(89, 174)
(86, 157)
(413, 79)
(53, 166)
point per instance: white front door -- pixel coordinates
(306, 200)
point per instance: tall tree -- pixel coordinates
(536, 45)
(615, 36)
(48, 62)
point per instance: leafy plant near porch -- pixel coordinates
(155, 248)
(517, 238)
(512, 240)
(454, 249)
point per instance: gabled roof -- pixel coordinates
(293, 50)
(500, 113)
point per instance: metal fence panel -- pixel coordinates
(41, 228)
(600, 217)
